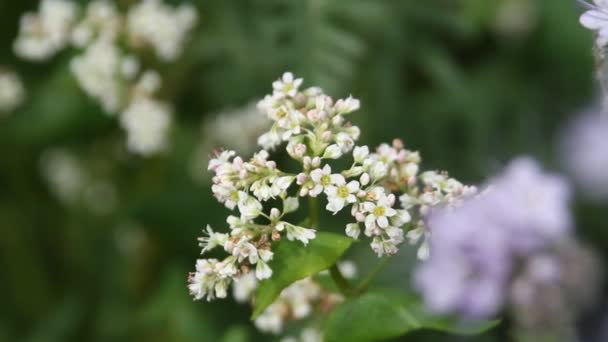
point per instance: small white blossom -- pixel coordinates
(213, 240)
(378, 212)
(286, 86)
(244, 286)
(262, 270)
(322, 178)
(147, 123)
(360, 153)
(333, 152)
(339, 194)
(290, 204)
(12, 92)
(353, 230)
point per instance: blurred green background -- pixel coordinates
(469, 83)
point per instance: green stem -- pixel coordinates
(340, 281)
(371, 276)
(313, 214)
(334, 271)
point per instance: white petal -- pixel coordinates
(383, 222)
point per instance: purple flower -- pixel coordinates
(585, 153)
(476, 247)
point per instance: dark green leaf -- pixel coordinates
(382, 314)
(293, 261)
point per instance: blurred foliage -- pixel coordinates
(469, 83)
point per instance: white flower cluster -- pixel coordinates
(596, 19)
(74, 184)
(244, 185)
(12, 92)
(108, 70)
(296, 302)
(316, 132)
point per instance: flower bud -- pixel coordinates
(332, 152)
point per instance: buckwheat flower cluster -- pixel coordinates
(12, 92)
(315, 132)
(584, 152)
(595, 18)
(43, 34)
(296, 302)
(486, 247)
(109, 68)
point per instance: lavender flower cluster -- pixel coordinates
(481, 247)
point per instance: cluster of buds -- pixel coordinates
(107, 70)
(315, 131)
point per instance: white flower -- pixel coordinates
(286, 86)
(322, 178)
(12, 92)
(378, 170)
(360, 153)
(262, 270)
(98, 73)
(244, 250)
(214, 240)
(270, 140)
(43, 34)
(345, 142)
(378, 213)
(271, 320)
(353, 230)
(244, 286)
(290, 204)
(149, 82)
(348, 105)
(333, 152)
(160, 26)
(294, 232)
(147, 123)
(383, 246)
(249, 207)
(64, 174)
(340, 194)
(208, 280)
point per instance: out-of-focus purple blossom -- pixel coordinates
(585, 153)
(478, 246)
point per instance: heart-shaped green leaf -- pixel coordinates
(293, 261)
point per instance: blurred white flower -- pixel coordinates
(102, 19)
(164, 28)
(43, 34)
(64, 174)
(98, 71)
(12, 92)
(147, 123)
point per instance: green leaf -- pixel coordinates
(293, 261)
(383, 314)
